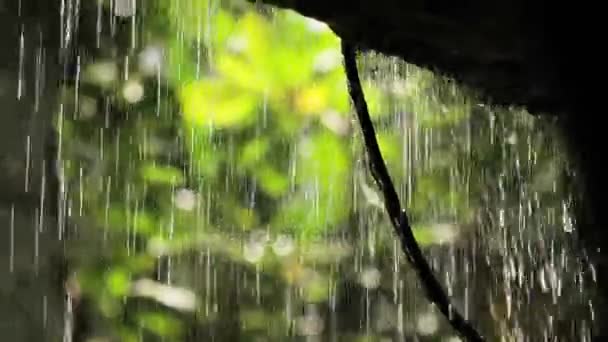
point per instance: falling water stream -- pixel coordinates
(191, 170)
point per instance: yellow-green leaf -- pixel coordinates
(118, 282)
(217, 103)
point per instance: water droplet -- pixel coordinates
(185, 199)
(133, 91)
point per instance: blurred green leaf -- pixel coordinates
(316, 290)
(139, 263)
(312, 100)
(292, 66)
(162, 175)
(160, 324)
(390, 147)
(272, 181)
(375, 100)
(144, 223)
(118, 282)
(127, 334)
(254, 320)
(108, 305)
(323, 174)
(262, 97)
(223, 27)
(324, 159)
(239, 73)
(204, 154)
(217, 103)
(119, 219)
(254, 151)
(424, 235)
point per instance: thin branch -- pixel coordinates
(397, 215)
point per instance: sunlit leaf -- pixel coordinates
(255, 66)
(223, 26)
(338, 98)
(258, 33)
(292, 65)
(311, 100)
(243, 75)
(118, 282)
(217, 103)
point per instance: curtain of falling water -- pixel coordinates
(214, 187)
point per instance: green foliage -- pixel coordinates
(118, 282)
(157, 175)
(161, 325)
(252, 132)
(282, 71)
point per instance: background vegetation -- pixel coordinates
(216, 185)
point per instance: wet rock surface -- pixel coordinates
(31, 295)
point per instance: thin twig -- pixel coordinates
(392, 204)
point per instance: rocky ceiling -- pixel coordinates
(498, 48)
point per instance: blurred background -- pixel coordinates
(191, 170)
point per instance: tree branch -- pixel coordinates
(398, 216)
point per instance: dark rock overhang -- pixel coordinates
(497, 48)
